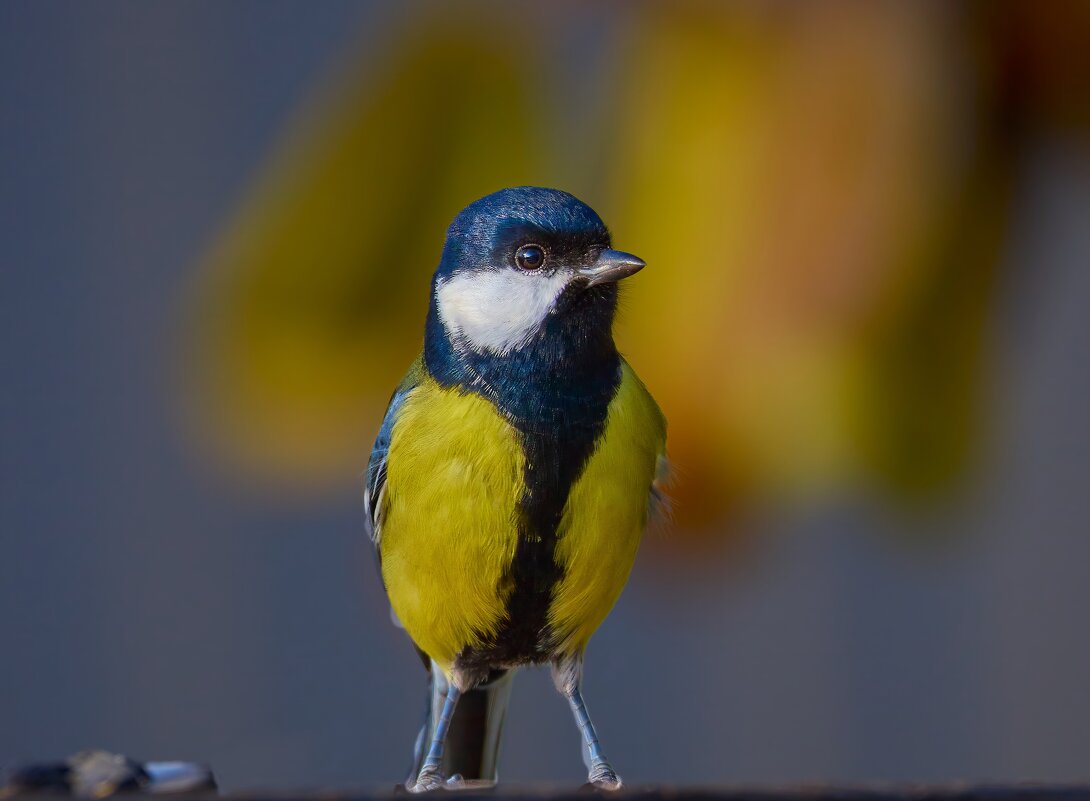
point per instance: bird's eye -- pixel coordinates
(530, 257)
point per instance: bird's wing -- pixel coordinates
(374, 492)
(659, 502)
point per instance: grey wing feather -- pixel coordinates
(380, 454)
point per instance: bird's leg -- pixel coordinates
(431, 772)
(568, 675)
(601, 773)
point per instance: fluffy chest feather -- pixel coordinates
(453, 480)
(499, 548)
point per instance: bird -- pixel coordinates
(514, 473)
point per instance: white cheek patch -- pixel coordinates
(497, 311)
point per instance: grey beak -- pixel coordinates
(612, 265)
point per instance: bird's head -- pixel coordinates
(517, 260)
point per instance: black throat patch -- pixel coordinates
(556, 392)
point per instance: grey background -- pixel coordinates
(147, 608)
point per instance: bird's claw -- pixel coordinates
(432, 778)
(604, 777)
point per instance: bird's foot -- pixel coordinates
(432, 778)
(603, 777)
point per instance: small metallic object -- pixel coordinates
(178, 777)
(97, 774)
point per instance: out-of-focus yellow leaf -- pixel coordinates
(776, 165)
(921, 412)
(812, 188)
(312, 304)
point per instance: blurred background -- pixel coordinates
(868, 231)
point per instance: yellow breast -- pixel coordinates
(606, 514)
(454, 479)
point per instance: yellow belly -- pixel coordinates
(606, 515)
(453, 482)
(449, 532)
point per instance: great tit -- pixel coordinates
(514, 472)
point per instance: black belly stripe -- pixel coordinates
(556, 393)
(554, 462)
(555, 458)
